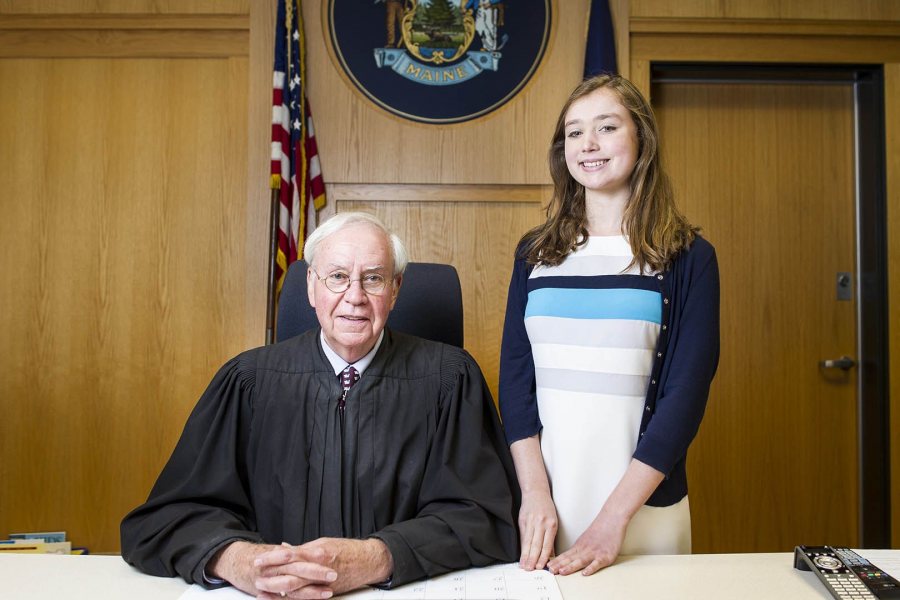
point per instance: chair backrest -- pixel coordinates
(429, 305)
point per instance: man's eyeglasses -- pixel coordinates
(340, 281)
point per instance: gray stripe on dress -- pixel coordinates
(591, 383)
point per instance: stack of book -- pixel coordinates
(39, 542)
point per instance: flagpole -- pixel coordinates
(273, 252)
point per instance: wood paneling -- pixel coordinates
(892, 145)
(123, 36)
(620, 11)
(476, 238)
(768, 27)
(124, 269)
(360, 143)
(119, 22)
(122, 44)
(439, 193)
(872, 10)
(725, 47)
(142, 7)
(257, 199)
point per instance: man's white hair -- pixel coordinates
(341, 220)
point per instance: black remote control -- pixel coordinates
(846, 574)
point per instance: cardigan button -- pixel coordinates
(659, 277)
(648, 408)
(652, 382)
(664, 327)
(665, 300)
(659, 355)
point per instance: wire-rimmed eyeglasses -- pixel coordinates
(339, 281)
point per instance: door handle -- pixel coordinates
(844, 363)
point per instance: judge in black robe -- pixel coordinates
(419, 462)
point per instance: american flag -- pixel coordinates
(295, 160)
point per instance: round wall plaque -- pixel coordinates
(438, 61)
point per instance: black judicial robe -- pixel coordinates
(420, 462)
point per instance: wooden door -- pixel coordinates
(768, 171)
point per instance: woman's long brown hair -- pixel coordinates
(655, 229)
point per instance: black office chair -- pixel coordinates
(429, 305)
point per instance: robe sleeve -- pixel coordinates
(469, 497)
(200, 501)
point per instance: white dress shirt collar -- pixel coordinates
(339, 364)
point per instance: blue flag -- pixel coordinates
(600, 53)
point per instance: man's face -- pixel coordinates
(352, 320)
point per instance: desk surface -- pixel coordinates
(690, 577)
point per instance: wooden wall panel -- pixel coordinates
(892, 146)
(360, 143)
(123, 36)
(478, 238)
(122, 219)
(729, 47)
(142, 7)
(874, 10)
(258, 194)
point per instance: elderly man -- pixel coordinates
(347, 456)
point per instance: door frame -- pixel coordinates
(873, 423)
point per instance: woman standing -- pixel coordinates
(610, 343)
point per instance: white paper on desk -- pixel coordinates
(886, 560)
(500, 582)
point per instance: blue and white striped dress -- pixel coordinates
(593, 328)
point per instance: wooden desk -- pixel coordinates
(696, 577)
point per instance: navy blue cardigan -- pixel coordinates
(687, 355)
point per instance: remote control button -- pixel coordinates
(827, 562)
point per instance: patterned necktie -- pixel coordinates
(349, 376)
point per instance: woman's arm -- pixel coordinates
(518, 401)
(537, 516)
(522, 425)
(690, 363)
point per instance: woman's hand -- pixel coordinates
(599, 546)
(537, 527)
(596, 548)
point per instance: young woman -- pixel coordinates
(610, 343)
